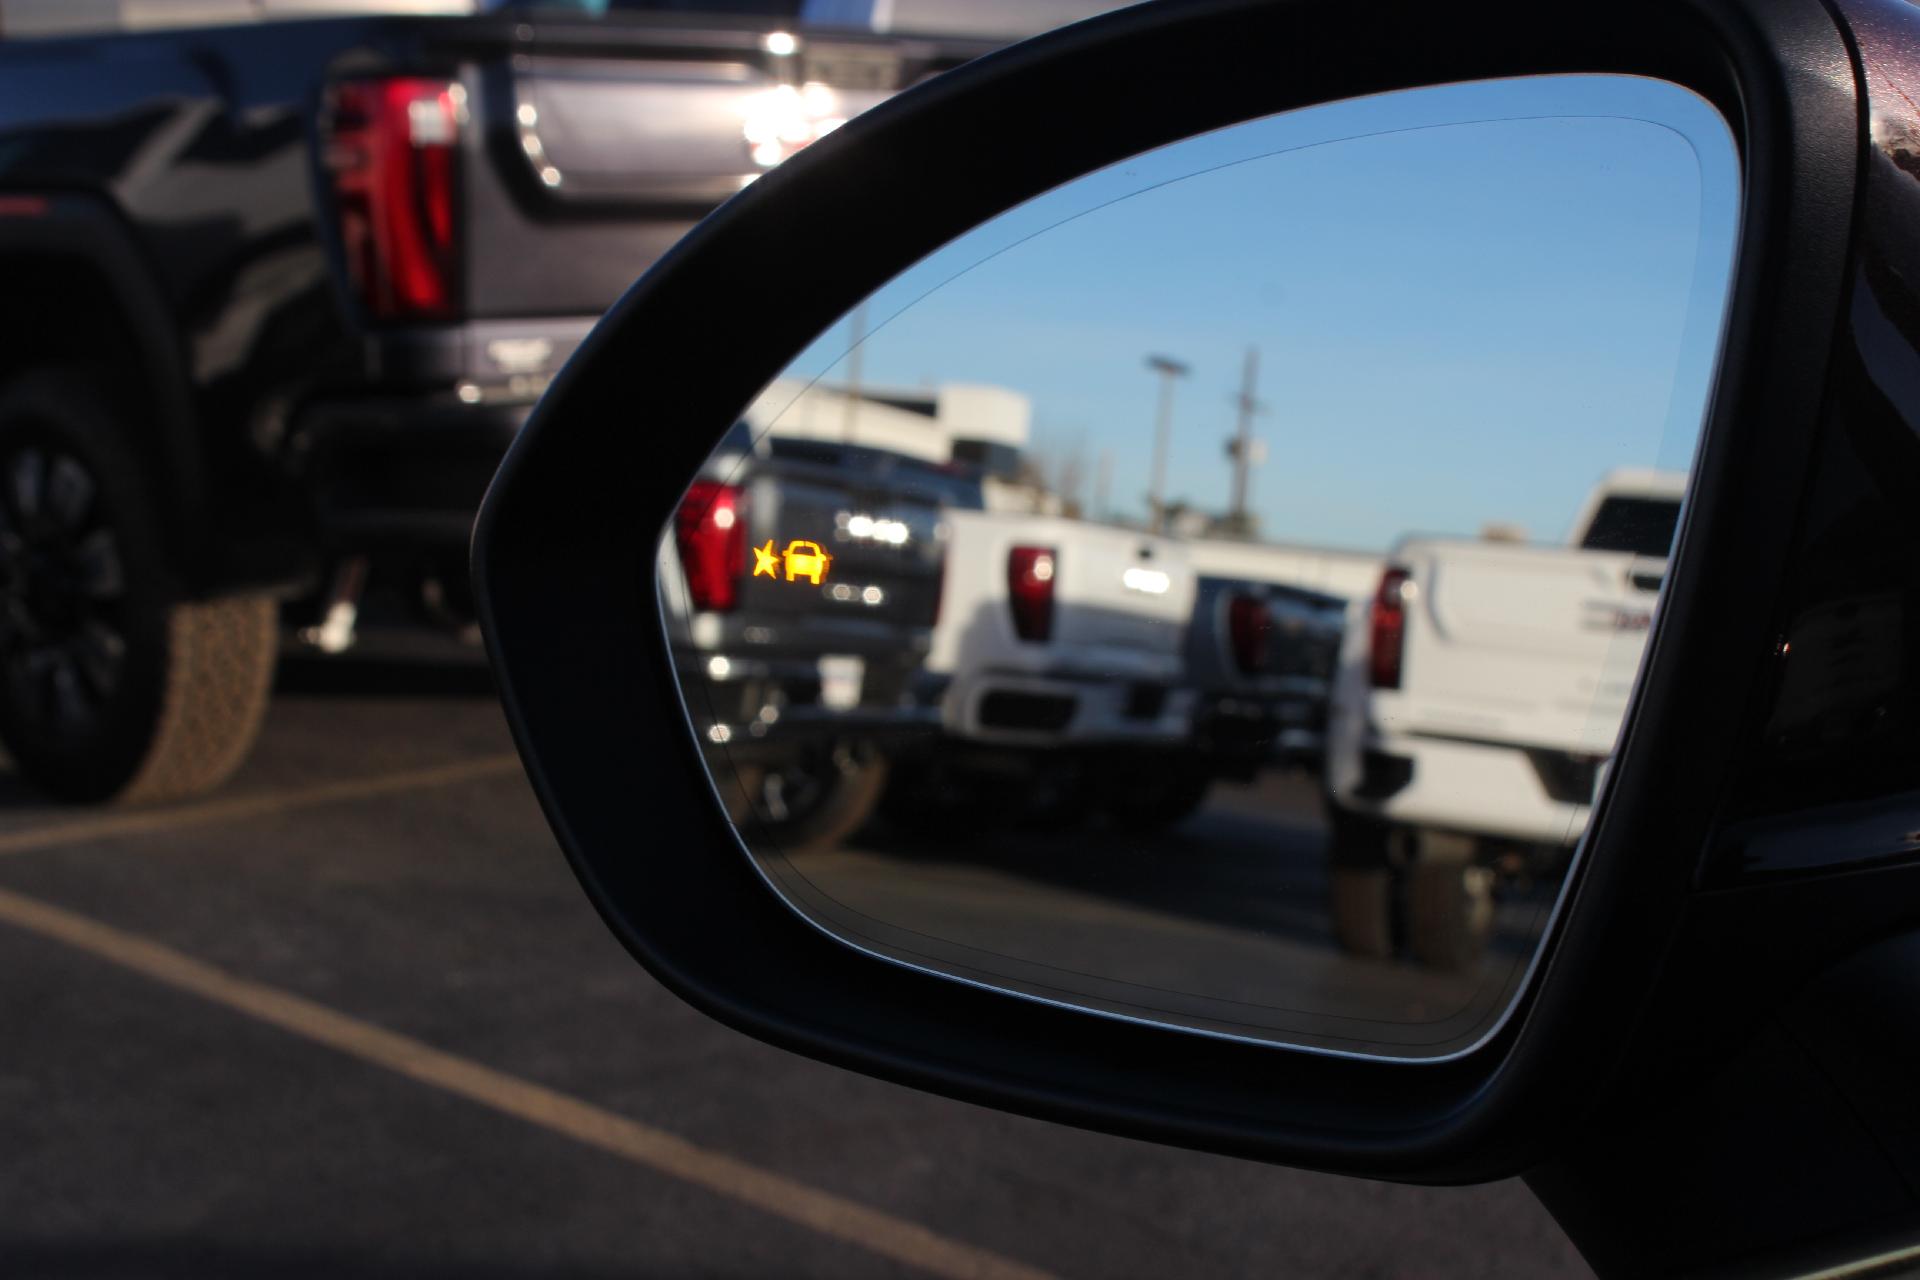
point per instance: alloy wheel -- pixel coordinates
(63, 647)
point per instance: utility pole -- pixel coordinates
(856, 339)
(1102, 483)
(1168, 368)
(1243, 449)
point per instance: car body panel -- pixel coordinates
(205, 146)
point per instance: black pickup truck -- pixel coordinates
(278, 297)
(801, 587)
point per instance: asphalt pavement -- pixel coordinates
(1218, 921)
(352, 1017)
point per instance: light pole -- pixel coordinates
(1243, 449)
(1168, 368)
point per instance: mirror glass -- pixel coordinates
(1210, 593)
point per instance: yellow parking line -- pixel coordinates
(145, 821)
(772, 1193)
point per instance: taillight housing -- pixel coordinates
(392, 151)
(1249, 632)
(1030, 574)
(1387, 628)
(710, 530)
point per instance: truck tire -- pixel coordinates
(812, 803)
(112, 686)
(1449, 909)
(738, 787)
(1360, 884)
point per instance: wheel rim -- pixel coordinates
(63, 647)
(795, 790)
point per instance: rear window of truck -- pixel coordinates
(1637, 526)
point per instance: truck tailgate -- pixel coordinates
(1122, 591)
(1530, 645)
(597, 142)
(1116, 613)
(880, 530)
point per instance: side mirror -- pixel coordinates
(973, 714)
(1616, 248)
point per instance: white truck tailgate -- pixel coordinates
(1120, 603)
(1537, 646)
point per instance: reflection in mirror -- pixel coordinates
(1211, 592)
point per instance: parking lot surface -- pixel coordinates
(352, 1017)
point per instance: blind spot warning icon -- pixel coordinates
(802, 559)
(806, 560)
(766, 561)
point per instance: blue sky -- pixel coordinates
(1469, 302)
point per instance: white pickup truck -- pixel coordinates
(1062, 643)
(1478, 696)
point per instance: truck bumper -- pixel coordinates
(403, 471)
(763, 708)
(1471, 788)
(893, 730)
(1028, 710)
(497, 354)
(1239, 734)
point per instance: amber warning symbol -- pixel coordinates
(803, 560)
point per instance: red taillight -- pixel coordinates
(1387, 629)
(1249, 629)
(1030, 573)
(711, 531)
(391, 149)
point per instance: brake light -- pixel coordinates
(391, 149)
(1030, 572)
(711, 531)
(1250, 630)
(1387, 628)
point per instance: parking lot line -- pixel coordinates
(772, 1193)
(143, 821)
